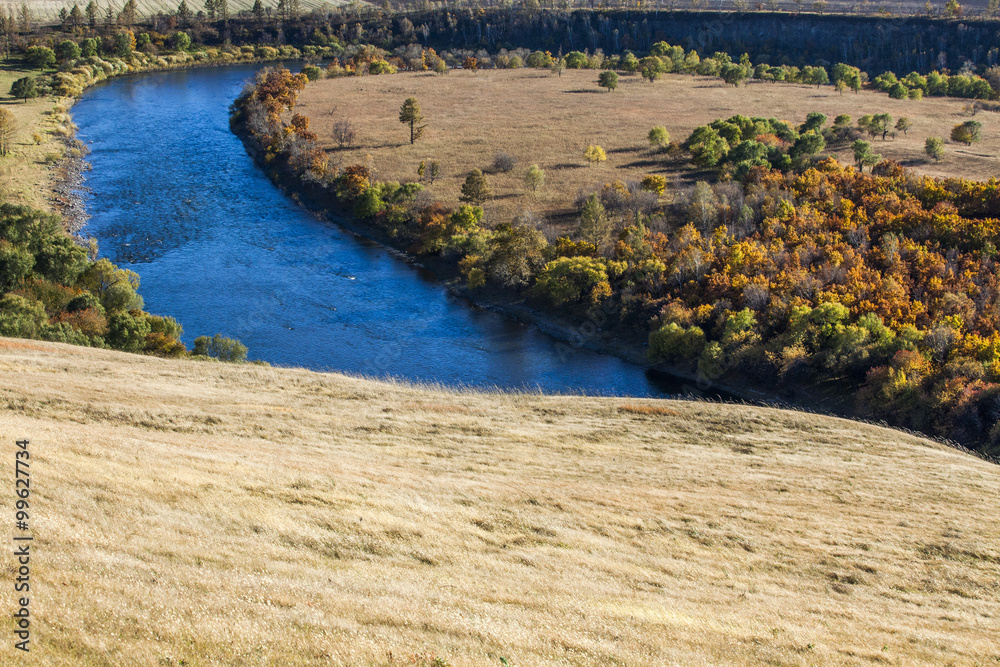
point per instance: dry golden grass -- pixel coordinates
(236, 514)
(26, 174)
(542, 118)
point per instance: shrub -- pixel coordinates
(220, 347)
(20, 317)
(40, 56)
(312, 72)
(673, 341)
(659, 137)
(934, 147)
(654, 183)
(504, 162)
(127, 331)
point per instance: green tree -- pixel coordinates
(16, 263)
(534, 178)
(40, 56)
(68, 50)
(127, 331)
(595, 226)
(809, 143)
(180, 41)
(934, 147)
(257, 11)
(476, 189)
(92, 11)
(88, 47)
(608, 79)
(220, 347)
(571, 279)
(409, 114)
(903, 124)
(24, 88)
(659, 137)
(124, 44)
(863, 154)
(672, 341)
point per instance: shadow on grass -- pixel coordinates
(582, 91)
(568, 165)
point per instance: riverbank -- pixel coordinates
(45, 167)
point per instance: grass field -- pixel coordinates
(542, 118)
(206, 514)
(27, 175)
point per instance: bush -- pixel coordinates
(504, 162)
(20, 317)
(220, 347)
(40, 56)
(673, 341)
(127, 331)
(312, 72)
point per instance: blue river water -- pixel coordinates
(174, 197)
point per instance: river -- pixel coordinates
(174, 197)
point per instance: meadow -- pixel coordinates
(201, 513)
(27, 175)
(541, 118)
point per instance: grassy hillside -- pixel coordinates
(229, 514)
(550, 120)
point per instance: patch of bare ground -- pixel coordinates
(236, 514)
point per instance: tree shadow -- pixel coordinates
(582, 91)
(567, 165)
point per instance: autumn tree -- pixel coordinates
(8, 126)
(476, 189)
(968, 132)
(595, 154)
(534, 178)
(410, 115)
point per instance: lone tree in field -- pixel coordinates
(410, 115)
(608, 79)
(476, 189)
(595, 154)
(967, 132)
(903, 124)
(24, 88)
(659, 137)
(8, 125)
(934, 147)
(534, 178)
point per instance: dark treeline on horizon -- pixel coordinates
(872, 43)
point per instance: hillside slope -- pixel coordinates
(236, 514)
